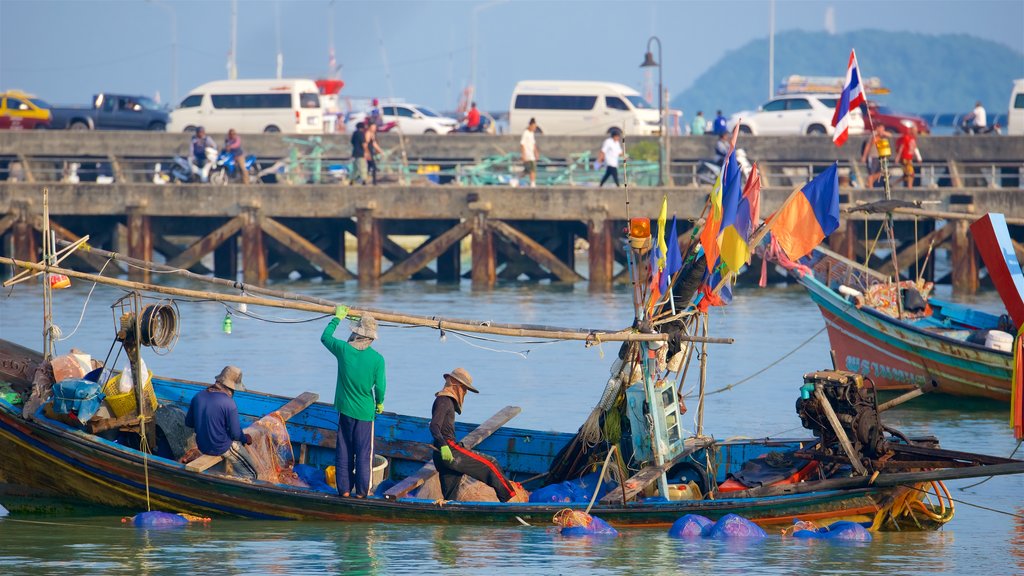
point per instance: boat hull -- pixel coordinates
(898, 356)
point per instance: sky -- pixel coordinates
(64, 51)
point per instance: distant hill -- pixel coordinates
(926, 73)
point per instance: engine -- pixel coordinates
(855, 406)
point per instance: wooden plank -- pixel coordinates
(649, 474)
(837, 427)
(296, 243)
(410, 483)
(194, 253)
(427, 252)
(535, 251)
(293, 407)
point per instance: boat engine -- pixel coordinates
(854, 405)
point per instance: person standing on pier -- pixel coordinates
(530, 152)
(473, 119)
(719, 126)
(358, 398)
(699, 125)
(233, 146)
(452, 459)
(359, 154)
(869, 155)
(611, 150)
(372, 150)
(908, 152)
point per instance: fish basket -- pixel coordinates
(124, 404)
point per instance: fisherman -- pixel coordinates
(214, 416)
(452, 460)
(358, 398)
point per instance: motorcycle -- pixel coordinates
(225, 168)
(966, 127)
(184, 171)
(709, 170)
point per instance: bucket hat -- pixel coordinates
(230, 377)
(461, 375)
(366, 327)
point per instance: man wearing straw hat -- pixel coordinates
(452, 460)
(358, 398)
(214, 416)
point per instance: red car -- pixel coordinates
(896, 122)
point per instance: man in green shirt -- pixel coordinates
(359, 397)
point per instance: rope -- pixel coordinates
(762, 370)
(144, 445)
(996, 510)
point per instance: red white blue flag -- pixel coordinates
(853, 96)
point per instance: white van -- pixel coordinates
(574, 108)
(1015, 115)
(251, 106)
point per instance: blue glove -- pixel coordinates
(446, 454)
(340, 311)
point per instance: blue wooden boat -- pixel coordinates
(60, 459)
(933, 351)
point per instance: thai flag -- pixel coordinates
(852, 97)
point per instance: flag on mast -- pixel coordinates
(853, 96)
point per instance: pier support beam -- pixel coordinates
(140, 241)
(369, 245)
(844, 240)
(23, 235)
(449, 263)
(254, 253)
(600, 236)
(484, 258)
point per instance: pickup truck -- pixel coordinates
(112, 112)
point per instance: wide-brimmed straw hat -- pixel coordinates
(230, 377)
(366, 327)
(461, 376)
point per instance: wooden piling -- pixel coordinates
(254, 253)
(369, 246)
(964, 260)
(483, 253)
(601, 255)
(23, 235)
(140, 240)
(449, 263)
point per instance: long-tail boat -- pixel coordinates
(899, 338)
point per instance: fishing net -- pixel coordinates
(579, 523)
(271, 451)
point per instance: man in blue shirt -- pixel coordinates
(718, 126)
(214, 416)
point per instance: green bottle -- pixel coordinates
(227, 323)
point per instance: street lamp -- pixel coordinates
(174, 47)
(662, 132)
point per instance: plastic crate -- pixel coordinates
(124, 404)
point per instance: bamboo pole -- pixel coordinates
(516, 330)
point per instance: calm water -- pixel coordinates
(556, 384)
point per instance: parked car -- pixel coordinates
(410, 119)
(795, 114)
(567, 107)
(896, 122)
(21, 111)
(112, 112)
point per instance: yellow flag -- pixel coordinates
(662, 246)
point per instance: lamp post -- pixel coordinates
(649, 61)
(174, 46)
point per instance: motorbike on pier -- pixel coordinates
(225, 169)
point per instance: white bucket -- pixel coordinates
(999, 340)
(380, 468)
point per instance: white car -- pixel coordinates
(410, 118)
(795, 114)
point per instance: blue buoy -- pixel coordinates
(840, 531)
(156, 519)
(689, 526)
(732, 526)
